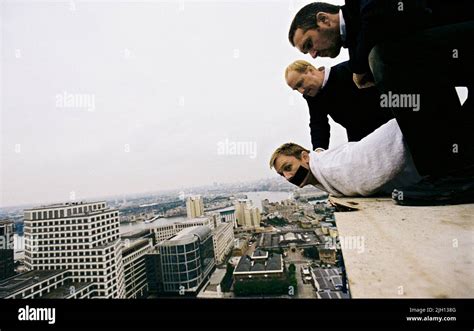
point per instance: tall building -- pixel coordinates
(82, 238)
(7, 266)
(195, 206)
(252, 217)
(133, 255)
(223, 239)
(247, 216)
(240, 206)
(222, 233)
(186, 260)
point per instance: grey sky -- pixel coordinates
(169, 83)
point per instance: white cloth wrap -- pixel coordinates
(378, 163)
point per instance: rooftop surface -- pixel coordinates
(408, 252)
(18, 282)
(272, 263)
(64, 292)
(66, 204)
(201, 231)
(7, 222)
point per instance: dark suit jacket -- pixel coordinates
(369, 22)
(358, 110)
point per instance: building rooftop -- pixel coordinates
(64, 292)
(227, 210)
(65, 204)
(258, 253)
(408, 252)
(24, 280)
(8, 222)
(194, 219)
(188, 233)
(272, 263)
(132, 245)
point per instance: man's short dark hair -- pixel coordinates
(305, 18)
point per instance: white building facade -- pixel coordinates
(223, 238)
(194, 206)
(82, 238)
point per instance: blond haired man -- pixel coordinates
(331, 92)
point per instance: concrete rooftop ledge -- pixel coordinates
(408, 252)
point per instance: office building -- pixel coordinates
(260, 264)
(82, 238)
(135, 277)
(194, 206)
(186, 260)
(167, 231)
(247, 216)
(240, 206)
(223, 239)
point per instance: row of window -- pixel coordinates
(110, 275)
(55, 222)
(82, 265)
(81, 252)
(179, 249)
(181, 268)
(96, 227)
(112, 235)
(181, 277)
(60, 213)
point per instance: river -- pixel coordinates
(255, 197)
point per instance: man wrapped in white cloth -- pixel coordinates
(376, 164)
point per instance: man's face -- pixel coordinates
(287, 166)
(307, 83)
(323, 41)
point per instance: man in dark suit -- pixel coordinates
(331, 92)
(409, 49)
(321, 29)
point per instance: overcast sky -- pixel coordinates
(104, 98)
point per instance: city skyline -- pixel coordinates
(144, 97)
(181, 193)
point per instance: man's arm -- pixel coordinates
(319, 129)
(381, 20)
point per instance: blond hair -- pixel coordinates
(288, 149)
(299, 66)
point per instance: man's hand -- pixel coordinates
(363, 80)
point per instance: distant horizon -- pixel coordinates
(123, 195)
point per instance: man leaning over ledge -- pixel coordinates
(330, 92)
(377, 164)
(362, 168)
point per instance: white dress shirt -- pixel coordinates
(327, 70)
(342, 27)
